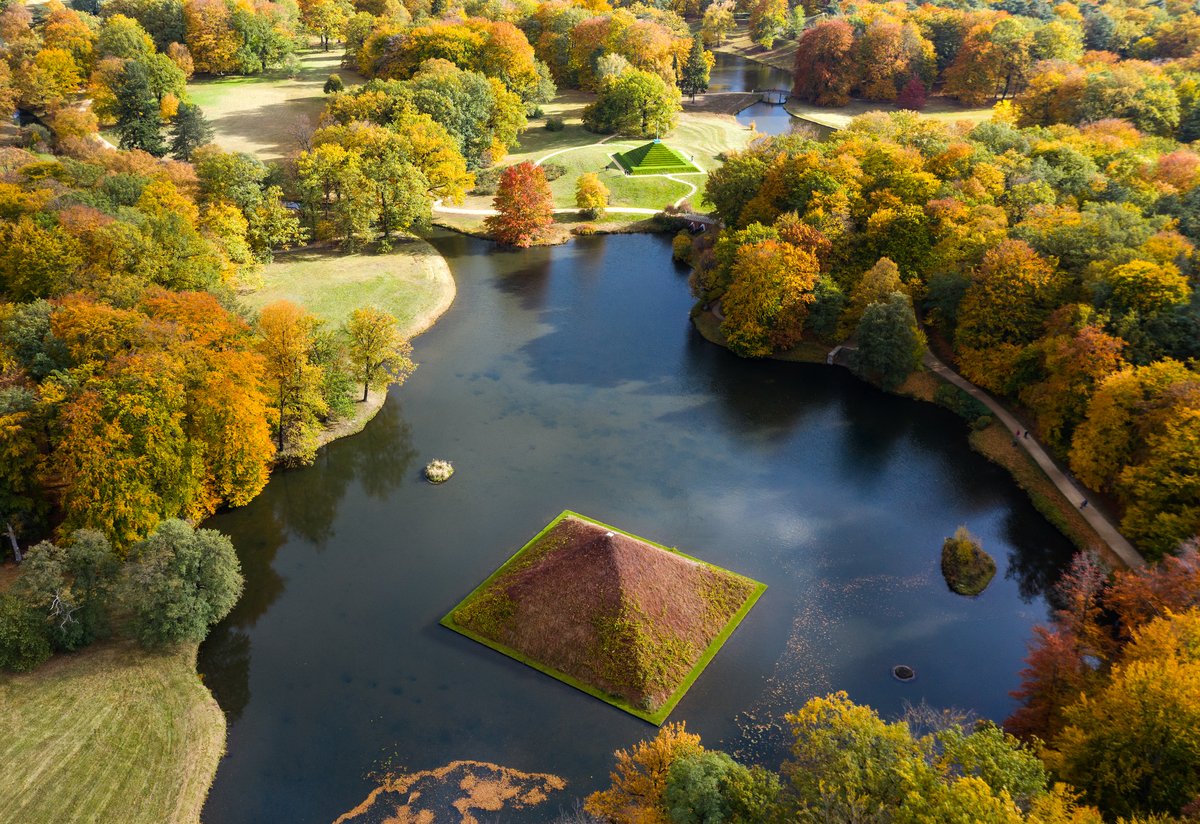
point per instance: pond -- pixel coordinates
(734, 73)
(570, 378)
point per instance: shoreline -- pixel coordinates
(365, 411)
(992, 443)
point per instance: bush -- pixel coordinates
(555, 124)
(584, 230)
(487, 180)
(681, 246)
(438, 471)
(179, 582)
(982, 422)
(965, 566)
(959, 402)
(334, 84)
(23, 640)
(554, 170)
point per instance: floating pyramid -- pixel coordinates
(654, 158)
(628, 621)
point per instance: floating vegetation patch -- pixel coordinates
(462, 792)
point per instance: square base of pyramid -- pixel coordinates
(660, 714)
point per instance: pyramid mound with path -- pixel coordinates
(654, 158)
(623, 619)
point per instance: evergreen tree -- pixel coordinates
(189, 131)
(139, 120)
(694, 79)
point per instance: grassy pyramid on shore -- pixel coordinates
(623, 619)
(655, 158)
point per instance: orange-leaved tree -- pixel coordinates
(640, 778)
(525, 206)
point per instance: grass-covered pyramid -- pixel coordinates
(628, 621)
(654, 158)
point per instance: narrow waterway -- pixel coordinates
(570, 378)
(732, 73)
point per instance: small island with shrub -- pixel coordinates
(438, 471)
(966, 567)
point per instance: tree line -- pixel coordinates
(1073, 63)
(1057, 264)
(134, 387)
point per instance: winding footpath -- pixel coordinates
(1105, 528)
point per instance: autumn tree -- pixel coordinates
(1004, 308)
(292, 379)
(768, 20)
(639, 778)
(822, 58)
(717, 22)
(524, 204)
(767, 301)
(1138, 440)
(1132, 746)
(1074, 362)
(380, 356)
(591, 195)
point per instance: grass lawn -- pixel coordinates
(699, 136)
(413, 283)
(939, 108)
(260, 115)
(111, 733)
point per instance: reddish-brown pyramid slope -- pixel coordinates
(607, 609)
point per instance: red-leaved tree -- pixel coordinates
(525, 206)
(913, 95)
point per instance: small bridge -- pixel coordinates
(776, 97)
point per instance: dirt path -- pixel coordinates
(1105, 528)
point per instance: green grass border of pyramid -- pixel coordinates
(658, 716)
(681, 165)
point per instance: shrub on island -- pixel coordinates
(966, 567)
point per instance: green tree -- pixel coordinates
(380, 356)
(712, 788)
(890, 343)
(189, 130)
(635, 103)
(70, 587)
(179, 582)
(693, 80)
(139, 119)
(23, 639)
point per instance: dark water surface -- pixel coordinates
(570, 377)
(732, 73)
